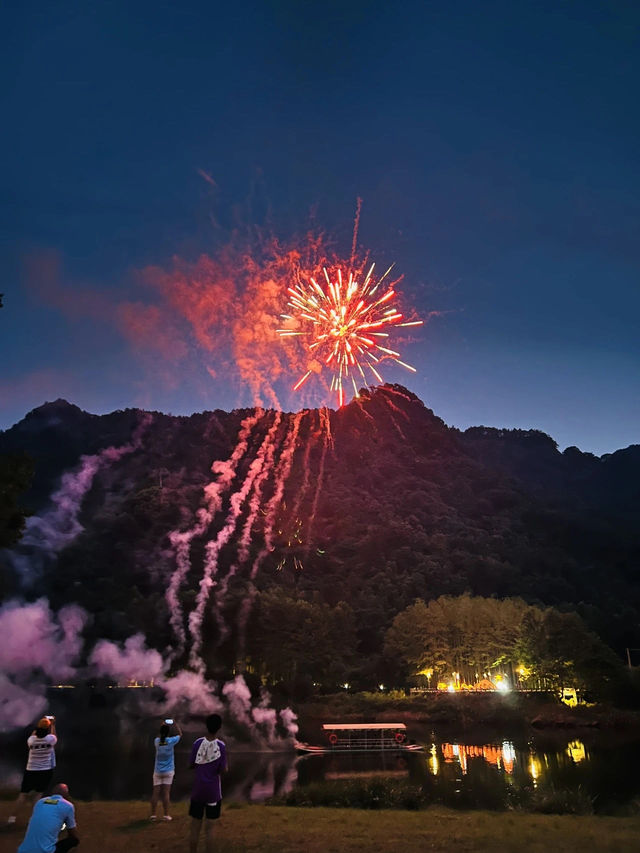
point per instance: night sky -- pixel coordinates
(494, 146)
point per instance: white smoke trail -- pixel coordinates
(245, 538)
(213, 548)
(261, 719)
(181, 540)
(266, 720)
(289, 722)
(46, 535)
(281, 475)
(238, 698)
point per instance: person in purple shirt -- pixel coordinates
(208, 759)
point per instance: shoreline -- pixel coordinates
(466, 711)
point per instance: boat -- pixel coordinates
(361, 737)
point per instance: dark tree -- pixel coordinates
(16, 472)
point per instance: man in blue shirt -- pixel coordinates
(50, 815)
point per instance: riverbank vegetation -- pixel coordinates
(508, 711)
(466, 640)
(453, 642)
(124, 827)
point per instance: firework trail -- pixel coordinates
(181, 540)
(282, 472)
(49, 533)
(389, 389)
(266, 456)
(393, 408)
(325, 425)
(214, 547)
(367, 415)
(356, 226)
(281, 476)
(307, 473)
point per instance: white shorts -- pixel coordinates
(163, 778)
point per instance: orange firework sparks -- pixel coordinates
(344, 322)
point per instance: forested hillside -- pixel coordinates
(331, 523)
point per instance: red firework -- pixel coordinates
(344, 324)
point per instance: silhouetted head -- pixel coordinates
(164, 731)
(213, 723)
(43, 728)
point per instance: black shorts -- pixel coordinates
(212, 810)
(36, 780)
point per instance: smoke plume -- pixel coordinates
(47, 534)
(38, 647)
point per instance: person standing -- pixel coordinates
(40, 763)
(50, 815)
(208, 759)
(164, 768)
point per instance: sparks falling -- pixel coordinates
(345, 323)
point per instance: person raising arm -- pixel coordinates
(164, 767)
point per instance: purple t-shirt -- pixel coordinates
(209, 757)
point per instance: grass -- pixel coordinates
(119, 827)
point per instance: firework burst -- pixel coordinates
(344, 323)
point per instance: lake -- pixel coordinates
(109, 755)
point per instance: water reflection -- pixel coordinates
(519, 766)
(502, 757)
(463, 772)
(576, 751)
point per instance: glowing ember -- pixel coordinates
(344, 323)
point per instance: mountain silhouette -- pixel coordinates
(375, 505)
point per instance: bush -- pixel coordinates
(552, 800)
(357, 794)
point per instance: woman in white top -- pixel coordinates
(40, 763)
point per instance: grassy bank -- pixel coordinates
(124, 828)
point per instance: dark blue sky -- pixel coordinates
(494, 145)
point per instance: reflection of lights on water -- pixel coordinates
(502, 757)
(535, 769)
(433, 759)
(508, 756)
(508, 751)
(576, 751)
